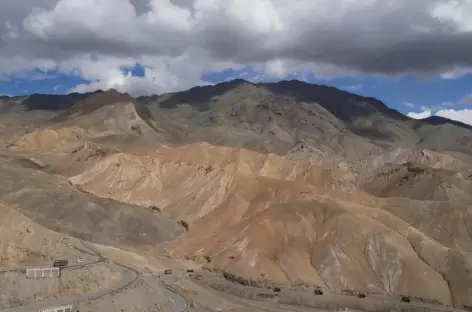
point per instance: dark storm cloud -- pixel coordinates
(369, 36)
(405, 39)
(422, 53)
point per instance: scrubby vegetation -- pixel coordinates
(184, 224)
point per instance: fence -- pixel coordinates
(64, 308)
(43, 272)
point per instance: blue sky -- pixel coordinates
(406, 94)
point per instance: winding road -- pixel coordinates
(129, 277)
(179, 303)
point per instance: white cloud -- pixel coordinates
(276, 68)
(18, 64)
(421, 115)
(176, 40)
(162, 74)
(409, 104)
(456, 11)
(456, 73)
(11, 32)
(464, 115)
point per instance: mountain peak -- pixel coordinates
(438, 120)
(94, 101)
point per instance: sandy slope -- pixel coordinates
(117, 124)
(54, 203)
(396, 221)
(191, 181)
(265, 218)
(24, 241)
(420, 182)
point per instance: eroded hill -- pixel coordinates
(267, 219)
(285, 183)
(57, 205)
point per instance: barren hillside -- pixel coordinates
(286, 183)
(264, 218)
(110, 119)
(25, 242)
(57, 205)
(420, 182)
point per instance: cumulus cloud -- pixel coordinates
(175, 40)
(462, 115)
(421, 115)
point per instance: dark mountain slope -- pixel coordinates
(438, 120)
(251, 116)
(92, 102)
(109, 118)
(271, 117)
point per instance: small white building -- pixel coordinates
(64, 308)
(43, 272)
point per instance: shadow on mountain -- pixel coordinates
(199, 97)
(437, 121)
(344, 105)
(61, 207)
(52, 101)
(92, 102)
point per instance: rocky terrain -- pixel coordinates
(24, 243)
(285, 184)
(72, 283)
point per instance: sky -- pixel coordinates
(416, 56)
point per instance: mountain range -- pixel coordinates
(286, 183)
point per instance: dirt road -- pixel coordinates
(129, 277)
(306, 298)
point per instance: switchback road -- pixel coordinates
(129, 276)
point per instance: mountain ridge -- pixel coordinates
(50, 101)
(271, 117)
(219, 86)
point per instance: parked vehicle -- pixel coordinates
(168, 271)
(60, 263)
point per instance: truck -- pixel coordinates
(60, 263)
